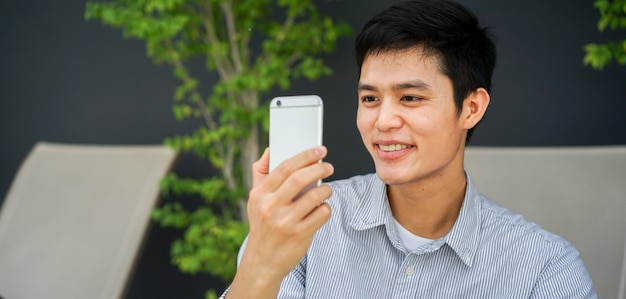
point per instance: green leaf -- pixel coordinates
(210, 294)
(171, 215)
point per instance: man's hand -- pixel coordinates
(281, 228)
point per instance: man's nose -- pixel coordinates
(388, 117)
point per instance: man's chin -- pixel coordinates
(391, 178)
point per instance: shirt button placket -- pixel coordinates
(407, 279)
(409, 271)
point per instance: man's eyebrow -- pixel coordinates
(415, 84)
(366, 87)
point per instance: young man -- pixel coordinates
(417, 228)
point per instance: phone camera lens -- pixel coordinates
(278, 103)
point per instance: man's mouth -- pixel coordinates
(393, 147)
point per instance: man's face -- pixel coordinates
(407, 117)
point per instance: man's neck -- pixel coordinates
(428, 208)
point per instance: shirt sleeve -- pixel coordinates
(565, 277)
(294, 284)
(224, 294)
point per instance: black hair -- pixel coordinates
(442, 28)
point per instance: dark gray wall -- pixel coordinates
(66, 80)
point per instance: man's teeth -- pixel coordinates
(392, 147)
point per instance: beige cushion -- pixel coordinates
(74, 219)
(576, 192)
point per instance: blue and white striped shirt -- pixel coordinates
(489, 253)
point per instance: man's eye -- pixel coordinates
(368, 99)
(411, 99)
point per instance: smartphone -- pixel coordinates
(296, 124)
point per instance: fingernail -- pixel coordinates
(320, 151)
(330, 167)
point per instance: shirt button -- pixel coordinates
(409, 271)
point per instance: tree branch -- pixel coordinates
(208, 119)
(223, 67)
(232, 35)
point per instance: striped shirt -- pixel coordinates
(489, 253)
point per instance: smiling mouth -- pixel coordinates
(393, 147)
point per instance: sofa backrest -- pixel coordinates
(576, 192)
(75, 218)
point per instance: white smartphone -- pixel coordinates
(296, 124)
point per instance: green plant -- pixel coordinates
(613, 16)
(254, 46)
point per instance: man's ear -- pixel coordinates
(474, 108)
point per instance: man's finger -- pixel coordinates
(298, 181)
(283, 171)
(261, 167)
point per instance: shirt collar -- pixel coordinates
(373, 210)
(464, 236)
